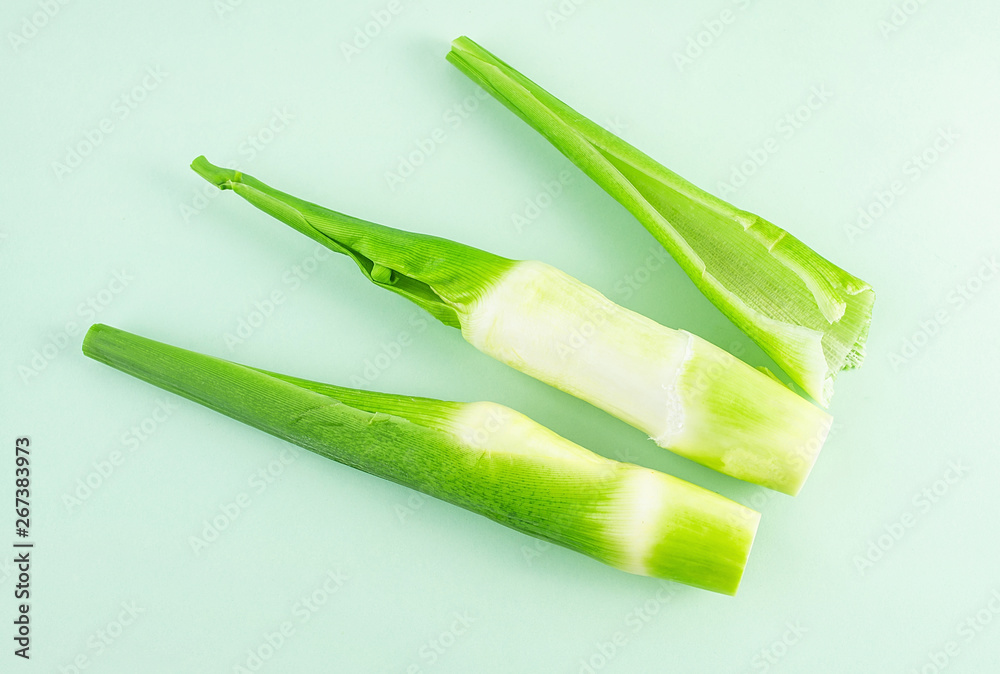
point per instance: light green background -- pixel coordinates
(409, 565)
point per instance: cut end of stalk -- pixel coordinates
(459, 44)
(222, 178)
(93, 335)
(745, 423)
(686, 533)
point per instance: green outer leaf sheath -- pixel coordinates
(808, 314)
(481, 456)
(439, 275)
(688, 395)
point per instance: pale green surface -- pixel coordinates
(411, 564)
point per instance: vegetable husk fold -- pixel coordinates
(808, 314)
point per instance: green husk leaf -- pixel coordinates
(809, 315)
(439, 275)
(511, 469)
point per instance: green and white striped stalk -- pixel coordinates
(481, 456)
(689, 396)
(807, 313)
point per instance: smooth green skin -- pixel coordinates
(808, 314)
(441, 276)
(703, 539)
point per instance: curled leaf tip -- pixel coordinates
(218, 176)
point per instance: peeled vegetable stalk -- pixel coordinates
(481, 456)
(805, 312)
(685, 393)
